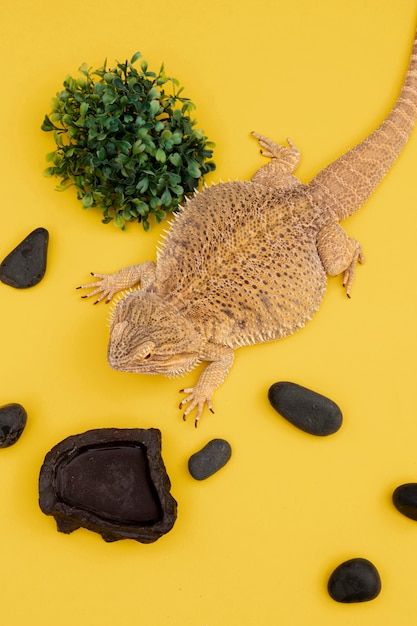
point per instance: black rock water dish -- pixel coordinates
(25, 266)
(356, 580)
(210, 459)
(306, 409)
(13, 419)
(405, 500)
(111, 481)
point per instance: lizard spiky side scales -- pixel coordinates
(247, 262)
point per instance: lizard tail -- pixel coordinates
(344, 185)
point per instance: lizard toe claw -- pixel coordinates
(104, 287)
(195, 400)
(349, 273)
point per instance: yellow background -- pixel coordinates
(256, 543)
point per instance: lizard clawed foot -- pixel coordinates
(349, 273)
(290, 157)
(195, 400)
(105, 288)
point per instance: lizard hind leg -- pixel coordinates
(339, 253)
(278, 173)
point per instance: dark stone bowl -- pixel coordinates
(111, 481)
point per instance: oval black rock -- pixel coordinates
(405, 500)
(210, 459)
(25, 266)
(356, 580)
(306, 409)
(13, 419)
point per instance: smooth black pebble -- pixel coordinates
(13, 419)
(25, 266)
(306, 409)
(405, 500)
(356, 580)
(209, 459)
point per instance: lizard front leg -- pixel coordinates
(339, 253)
(210, 379)
(108, 285)
(278, 173)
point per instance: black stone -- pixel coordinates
(209, 459)
(405, 500)
(306, 409)
(25, 266)
(111, 481)
(13, 419)
(356, 580)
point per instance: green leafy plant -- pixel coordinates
(126, 141)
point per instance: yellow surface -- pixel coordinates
(256, 543)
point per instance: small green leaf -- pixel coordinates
(138, 147)
(98, 88)
(142, 185)
(173, 178)
(154, 202)
(153, 93)
(67, 119)
(175, 159)
(178, 190)
(193, 169)
(117, 83)
(87, 200)
(63, 96)
(135, 57)
(166, 198)
(160, 215)
(58, 139)
(122, 159)
(160, 156)
(108, 98)
(177, 137)
(84, 69)
(143, 209)
(142, 132)
(154, 107)
(64, 185)
(119, 222)
(47, 125)
(124, 146)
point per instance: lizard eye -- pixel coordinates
(144, 352)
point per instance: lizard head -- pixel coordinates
(149, 336)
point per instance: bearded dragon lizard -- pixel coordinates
(246, 262)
